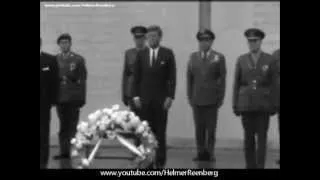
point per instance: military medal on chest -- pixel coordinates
(265, 68)
(215, 59)
(73, 66)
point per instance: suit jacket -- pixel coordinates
(156, 82)
(206, 79)
(73, 77)
(276, 56)
(253, 84)
(127, 74)
(49, 80)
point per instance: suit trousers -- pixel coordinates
(155, 114)
(279, 125)
(255, 124)
(44, 136)
(279, 122)
(68, 114)
(205, 119)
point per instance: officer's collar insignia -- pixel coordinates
(46, 69)
(216, 58)
(265, 67)
(72, 66)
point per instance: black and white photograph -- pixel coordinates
(160, 86)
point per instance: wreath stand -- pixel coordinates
(110, 124)
(140, 162)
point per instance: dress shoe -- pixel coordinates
(211, 158)
(61, 156)
(200, 157)
(159, 166)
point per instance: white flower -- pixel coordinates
(135, 121)
(78, 145)
(119, 119)
(122, 115)
(145, 123)
(107, 111)
(94, 116)
(74, 153)
(131, 115)
(115, 107)
(83, 126)
(145, 134)
(150, 139)
(114, 116)
(85, 162)
(148, 150)
(73, 141)
(102, 126)
(140, 129)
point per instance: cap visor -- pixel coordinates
(253, 38)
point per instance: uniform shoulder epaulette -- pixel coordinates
(129, 50)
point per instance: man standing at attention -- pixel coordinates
(276, 56)
(206, 84)
(154, 88)
(72, 93)
(49, 85)
(139, 34)
(252, 97)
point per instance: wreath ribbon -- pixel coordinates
(109, 124)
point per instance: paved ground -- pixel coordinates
(110, 158)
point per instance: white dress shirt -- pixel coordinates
(203, 55)
(156, 50)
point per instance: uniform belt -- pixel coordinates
(255, 85)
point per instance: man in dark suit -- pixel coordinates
(139, 34)
(49, 83)
(72, 93)
(206, 83)
(276, 56)
(252, 97)
(154, 87)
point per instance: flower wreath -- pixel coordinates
(112, 124)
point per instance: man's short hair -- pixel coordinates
(155, 28)
(64, 36)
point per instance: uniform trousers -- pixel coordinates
(205, 119)
(256, 125)
(68, 114)
(44, 135)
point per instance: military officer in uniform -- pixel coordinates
(49, 85)
(206, 83)
(138, 33)
(72, 93)
(276, 55)
(252, 97)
